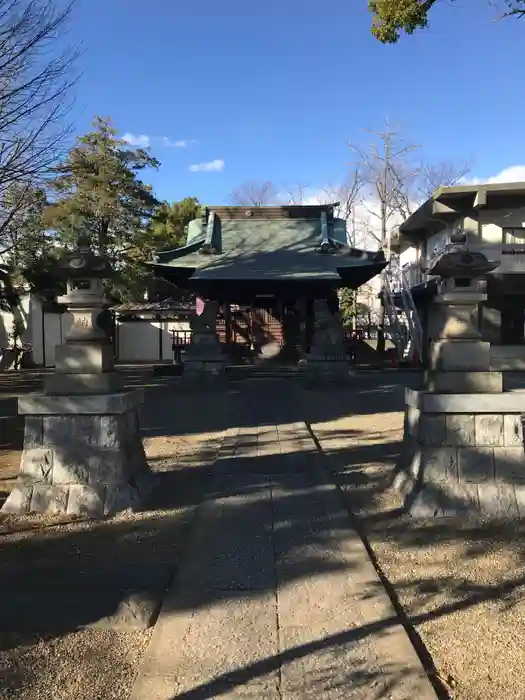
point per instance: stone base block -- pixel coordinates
(454, 464)
(82, 358)
(69, 384)
(81, 464)
(204, 346)
(204, 372)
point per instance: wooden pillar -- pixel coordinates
(309, 324)
(226, 310)
(300, 305)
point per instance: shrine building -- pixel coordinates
(266, 266)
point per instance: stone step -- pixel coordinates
(238, 373)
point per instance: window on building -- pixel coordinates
(514, 235)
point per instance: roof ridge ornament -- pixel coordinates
(327, 245)
(207, 247)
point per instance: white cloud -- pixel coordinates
(514, 173)
(144, 141)
(139, 140)
(212, 166)
(183, 143)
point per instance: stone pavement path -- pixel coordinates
(278, 599)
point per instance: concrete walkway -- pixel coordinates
(278, 599)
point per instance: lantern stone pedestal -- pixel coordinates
(327, 363)
(83, 453)
(204, 361)
(463, 452)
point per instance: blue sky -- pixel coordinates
(274, 90)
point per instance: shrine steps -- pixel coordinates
(237, 373)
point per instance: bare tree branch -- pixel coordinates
(443, 174)
(297, 193)
(388, 172)
(36, 78)
(515, 8)
(255, 194)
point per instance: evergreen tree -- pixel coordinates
(98, 193)
(167, 230)
(391, 17)
(168, 227)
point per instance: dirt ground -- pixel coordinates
(461, 584)
(72, 661)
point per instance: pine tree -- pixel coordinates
(167, 228)
(98, 193)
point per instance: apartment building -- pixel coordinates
(493, 218)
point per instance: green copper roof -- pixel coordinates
(257, 248)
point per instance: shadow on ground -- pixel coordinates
(78, 574)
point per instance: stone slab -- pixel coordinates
(498, 500)
(327, 629)
(334, 623)
(19, 500)
(460, 429)
(426, 402)
(509, 465)
(489, 430)
(513, 430)
(38, 404)
(230, 649)
(67, 384)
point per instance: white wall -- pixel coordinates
(409, 255)
(7, 320)
(493, 222)
(167, 337)
(138, 341)
(6, 325)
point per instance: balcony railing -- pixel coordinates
(411, 272)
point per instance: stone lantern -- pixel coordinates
(84, 364)
(463, 451)
(83, 453)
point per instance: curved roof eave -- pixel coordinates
(174, 253)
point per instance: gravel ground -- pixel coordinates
(461, 585)
(95, 664)
(464, 590)
(84, 665)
